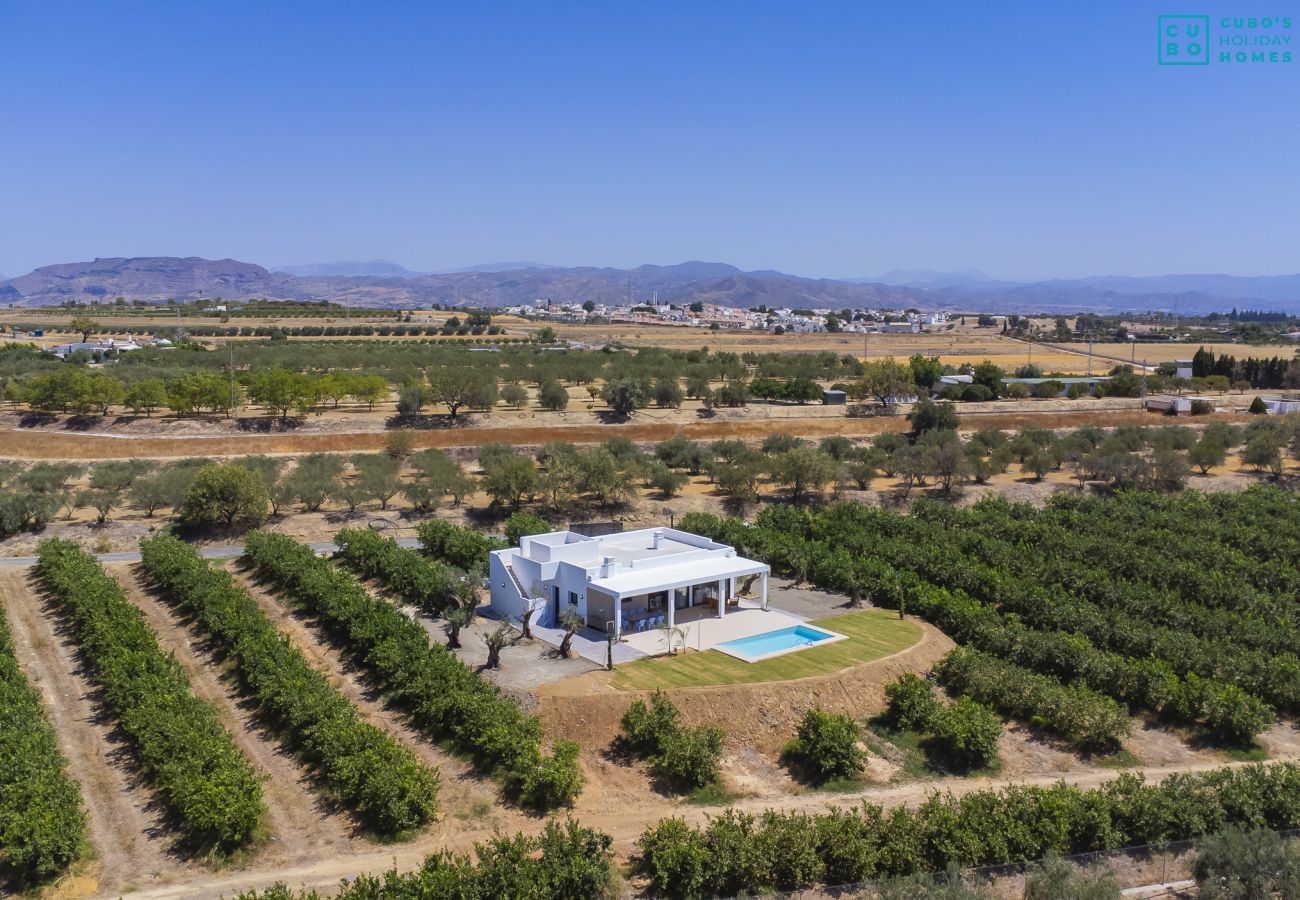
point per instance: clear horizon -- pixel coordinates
(841, 140)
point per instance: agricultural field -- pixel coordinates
(312, 712)
(241, 631)
(1162, 352)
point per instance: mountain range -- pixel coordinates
(380, 283)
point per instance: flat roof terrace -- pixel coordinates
(625, 549)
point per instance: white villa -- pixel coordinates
(630, 582)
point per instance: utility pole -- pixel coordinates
(1089, 356)
(231, 346)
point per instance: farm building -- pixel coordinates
(1176, 406)
(628, 582)
(834, 398)
(1280, 406)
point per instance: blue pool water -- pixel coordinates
(783, 640)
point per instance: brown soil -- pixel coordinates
(461, 790)
(301, 822)
(761, 716)
(132, 847)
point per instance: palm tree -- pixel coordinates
(673, 633)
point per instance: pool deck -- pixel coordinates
(704, 634)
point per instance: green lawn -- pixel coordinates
(871, 634)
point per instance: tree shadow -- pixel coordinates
(269, 424)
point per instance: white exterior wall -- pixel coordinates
(550, 562)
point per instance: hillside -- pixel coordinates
(380, 283)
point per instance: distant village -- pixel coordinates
(761, 318)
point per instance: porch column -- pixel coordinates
(672, 606)
(765, 592)
(722, 598)
(618, 617)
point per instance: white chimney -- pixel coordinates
(606, 566)
(658, 536)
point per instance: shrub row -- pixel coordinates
(736, 853)
(1225, 711)
(455, 545)
(418, 580)
(852, 548)
(374, 775)
(444, 697)
(1240, 670)
(1082, 717)
(42, 823)
(564, 862)
(1067, 556)
(177, 737)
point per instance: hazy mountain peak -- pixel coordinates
(500, 267)
(159, 278)
(382, 268)
(928, 277)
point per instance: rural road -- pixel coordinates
(217, 552)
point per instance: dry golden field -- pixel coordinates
(1168, 352)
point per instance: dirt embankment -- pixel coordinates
(761, 717)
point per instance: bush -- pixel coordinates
(966, 734)
(912, 705)
(547, 782)
(647, 726)
(976, 393)
(689, 757)
(1257, 407)
(1241, 864)
(828, 745)
(178, 738)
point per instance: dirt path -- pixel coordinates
(302, 824)
(42, 444)
(125, 823)
(463, 792)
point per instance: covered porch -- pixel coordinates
(708, 631)
(639, 602)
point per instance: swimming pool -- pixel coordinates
(778, 643)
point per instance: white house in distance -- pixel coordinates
(633, 581)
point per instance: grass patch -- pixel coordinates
(1254, 753)
(1120, 759)
(906, 746)
(714, 794)
(845, 785)
(871, 634)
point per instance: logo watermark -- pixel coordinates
(1197, 40)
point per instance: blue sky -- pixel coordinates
(1025, 139)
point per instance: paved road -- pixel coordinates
(217, 552)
